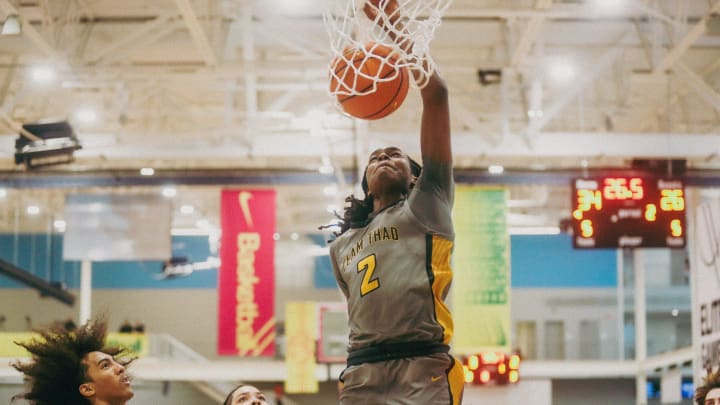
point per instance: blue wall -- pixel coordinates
(549, 261)
(42, 256)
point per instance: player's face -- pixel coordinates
(108, 382)
(387, 169)
(247, 394)
(713, 397)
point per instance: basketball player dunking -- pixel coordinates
(391, 260)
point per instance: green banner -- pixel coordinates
(481, 267)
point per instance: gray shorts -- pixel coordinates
(433, 379)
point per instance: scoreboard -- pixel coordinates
(628, 212)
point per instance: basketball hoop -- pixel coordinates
(349, 28)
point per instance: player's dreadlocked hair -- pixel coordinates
(57, 368)
(357, 211)
(711, 381)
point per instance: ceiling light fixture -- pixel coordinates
(42, 74)
(45, 143)
(496, 169)
(12, 25)
(86, 116)
(169, 192)
(562, 71)
(533, 113)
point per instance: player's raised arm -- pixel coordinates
(435, 141)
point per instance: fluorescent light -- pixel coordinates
(535, 113)
(86, 115)
(3, 193)
(147, 171)
(60, 225)
(33, 210)
(496, 169)
(187, 209)
(42, 74)
(169, 192)
(562, 71)
(12, 25)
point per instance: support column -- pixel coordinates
(85, 291)
(640, 328)
(620, 263)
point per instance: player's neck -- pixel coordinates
(380, 202)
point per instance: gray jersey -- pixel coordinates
(395, 272)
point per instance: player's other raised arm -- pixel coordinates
(435, 142)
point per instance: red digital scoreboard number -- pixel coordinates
(628, 212)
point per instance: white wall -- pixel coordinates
(189, 315)
(536, 392)
(571, 306)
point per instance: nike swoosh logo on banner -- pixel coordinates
(243, 198)
(433, 379)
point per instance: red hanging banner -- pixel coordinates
(246, 284)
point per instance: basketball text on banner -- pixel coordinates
(481, 267)
(706, 272)
(246, 284)
(300, 335)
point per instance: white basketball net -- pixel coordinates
(348, 27)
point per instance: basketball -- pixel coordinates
(372, 64)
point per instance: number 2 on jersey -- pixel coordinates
(369, 284)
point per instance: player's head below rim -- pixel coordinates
(390, 170)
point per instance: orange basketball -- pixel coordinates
(374, 60)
